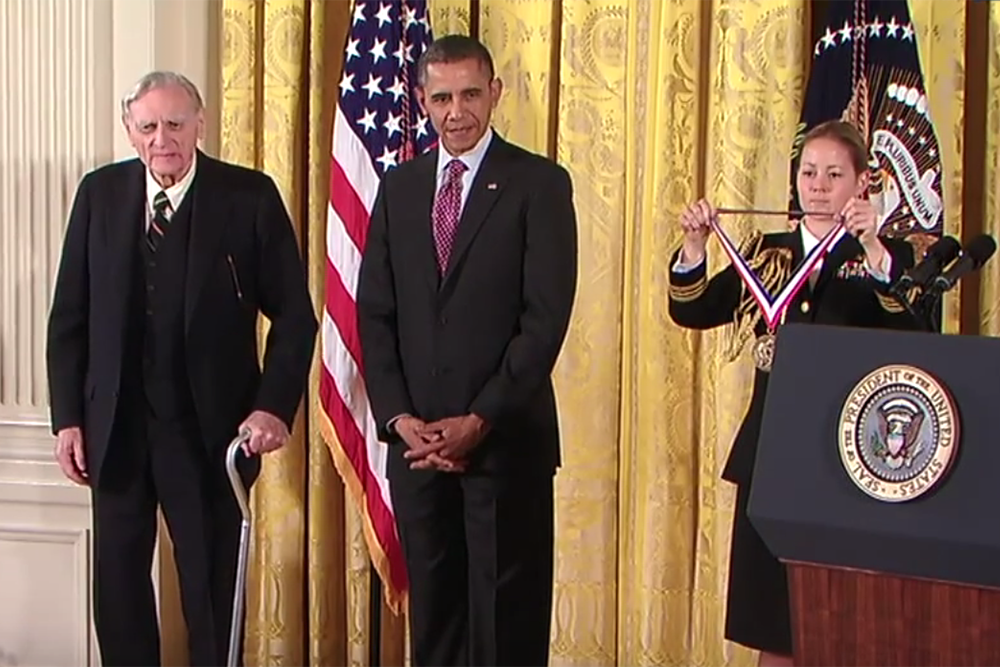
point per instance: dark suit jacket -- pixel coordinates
(484, 338)
(243, 259)
(844, 295)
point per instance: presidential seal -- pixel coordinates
(898, 433)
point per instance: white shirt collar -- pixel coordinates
(809, 241)
(176, 192)
(472, 159)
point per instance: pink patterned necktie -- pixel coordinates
(445, 215)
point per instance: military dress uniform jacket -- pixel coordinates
(844, 294)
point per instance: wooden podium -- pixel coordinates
(877, 581)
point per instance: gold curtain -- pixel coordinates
(984, 197)
(650, 104)
(278, 58)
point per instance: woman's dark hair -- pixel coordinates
(847, 136)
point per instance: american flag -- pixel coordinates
(377, 125)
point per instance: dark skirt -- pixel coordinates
(757, 603)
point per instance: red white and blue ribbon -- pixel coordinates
(774, 307)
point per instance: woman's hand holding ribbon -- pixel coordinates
(695, 223)
(861, 222)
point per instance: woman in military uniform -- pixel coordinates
(849, 288)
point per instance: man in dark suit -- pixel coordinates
(464, 298)
(153, 363)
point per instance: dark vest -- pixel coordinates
(156, 343)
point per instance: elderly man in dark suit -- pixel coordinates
(153, 363)
(464, 298)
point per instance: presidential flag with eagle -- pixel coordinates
(865, 69)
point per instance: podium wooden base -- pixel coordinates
(850, 618)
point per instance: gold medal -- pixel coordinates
(763, 352)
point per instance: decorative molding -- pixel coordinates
(133, 36)
(50, 135)
(63, 68)
(26, 441)
(78, 598)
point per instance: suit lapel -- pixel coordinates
(124, 224)
(209, 209)
(484, 191)
(794, 240)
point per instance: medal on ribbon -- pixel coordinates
(773, 309)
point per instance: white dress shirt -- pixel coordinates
(473, 160)
(175, 193)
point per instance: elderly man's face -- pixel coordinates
(164, 126)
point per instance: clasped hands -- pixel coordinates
(440, 445)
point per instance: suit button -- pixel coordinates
(435, 372)
(443, 321)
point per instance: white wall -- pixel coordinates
(63, 66)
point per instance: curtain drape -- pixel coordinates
(307, 564)
(984, 173)
(649, 104)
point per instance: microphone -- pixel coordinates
(939, 255)
(979, 250)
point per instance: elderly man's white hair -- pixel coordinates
(161, 79)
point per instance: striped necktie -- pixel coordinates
(161, 220)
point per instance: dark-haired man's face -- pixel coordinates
(459, 98)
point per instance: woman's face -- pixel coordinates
(826, 179)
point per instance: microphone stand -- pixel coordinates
(921, 310)
(928, 304)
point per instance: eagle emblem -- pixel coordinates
(898, 433)
(897, 440)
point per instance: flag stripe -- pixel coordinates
(349, 153)
(350, 391)
(353, 205)
(373, 505)
(347, 405)
(343, 256)
(354, 218)
(341, 311)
